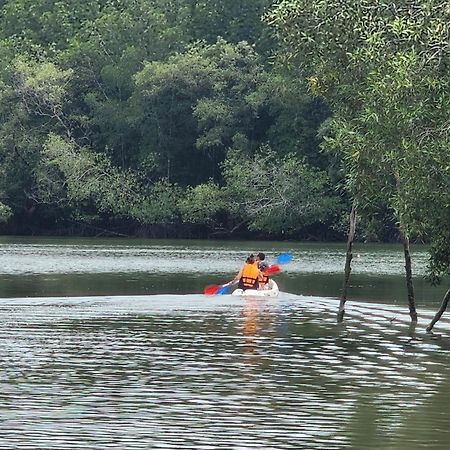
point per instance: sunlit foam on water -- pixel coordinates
(196, 372)
(38, 258)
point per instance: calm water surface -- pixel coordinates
(110, 344)
(72, 267)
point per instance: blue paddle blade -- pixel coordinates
(223, 290)
(283, 258)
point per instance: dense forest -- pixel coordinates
(218, 118)
(158, 118)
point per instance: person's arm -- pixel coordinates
(238, 276)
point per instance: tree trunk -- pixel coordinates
(348, 261)
(409, 281)
(440, 312)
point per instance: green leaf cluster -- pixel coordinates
(383, 68)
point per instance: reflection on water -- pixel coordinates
(195, 372)
(103, 256)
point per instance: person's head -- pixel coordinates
(250, 259)
(260, 257)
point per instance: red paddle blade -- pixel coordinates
(211, 290)
(274, 268)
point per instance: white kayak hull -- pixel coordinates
(272, 292)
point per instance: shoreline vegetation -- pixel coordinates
(170, 231)
(269, 119)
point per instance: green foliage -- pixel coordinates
(159, 205)
(198, 100)
(43, 22)
(5, 212)
(296, 117)
(85, 177)
(383, 68)
(439, 261)
(201, 204)
(277, 194)
(42, 85)
(27, 106)
(127, 109)
(82, 180)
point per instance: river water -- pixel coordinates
(111, 344)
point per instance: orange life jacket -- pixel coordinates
(249, 277)
(263, 279)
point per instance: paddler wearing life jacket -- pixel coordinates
(249, 275)
(262, 266)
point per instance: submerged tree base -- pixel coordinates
(348, 261)
(409, 279)
(440, 312)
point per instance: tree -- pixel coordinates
(203, 203)
(31, 103)
(191, 106)
(264, 192)
(382, 68)
(88, 183)
(45, 23)
(278, 195)
(145, 93)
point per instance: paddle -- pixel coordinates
(272, 269)
(217, 289)
(211, 289)
(224, 289)
(284, 258)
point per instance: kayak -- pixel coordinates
(273, 291)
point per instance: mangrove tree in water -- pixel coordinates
(383, 68)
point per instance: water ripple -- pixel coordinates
(27, 258)
(179, 372)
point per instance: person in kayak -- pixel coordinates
(262, 266)
(260, 257)
(249, 275)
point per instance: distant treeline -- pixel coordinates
(159, 118)
(226, 118)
